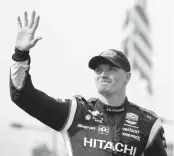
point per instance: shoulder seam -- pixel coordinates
(145, 110)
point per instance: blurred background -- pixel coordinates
(73, 32)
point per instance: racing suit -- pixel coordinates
(89, 127)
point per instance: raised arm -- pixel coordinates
(48, 110)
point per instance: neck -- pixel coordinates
(113, 100)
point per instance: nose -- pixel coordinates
(104, 74)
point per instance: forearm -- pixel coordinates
(33, 101)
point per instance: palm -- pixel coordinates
(25, 38)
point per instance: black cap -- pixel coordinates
(111, 56)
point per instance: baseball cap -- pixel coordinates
(110, 56)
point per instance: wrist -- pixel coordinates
(20, 55)
(21, 49)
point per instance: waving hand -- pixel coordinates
(26, 35)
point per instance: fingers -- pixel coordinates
(32, 19)
(19, 22)
(36, 23)
(35, 40)
(25, 19)
(33, 23)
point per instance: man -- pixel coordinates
(109, 125)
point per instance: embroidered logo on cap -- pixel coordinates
(109, 53)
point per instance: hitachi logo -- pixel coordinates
(103, 144)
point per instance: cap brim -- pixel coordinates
(96, 60)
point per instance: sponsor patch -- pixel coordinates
(131, 118)
(88, 117)
(123, 149)
(131, 130)
(103, 130)
(149, 117)
(135, 137)
(115, 110)
(96, 116)
(86, 127)
(131, 126)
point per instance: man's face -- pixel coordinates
(110, 79)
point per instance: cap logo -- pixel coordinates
(109, 53)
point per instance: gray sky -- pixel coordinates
(73, 32)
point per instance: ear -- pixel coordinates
(128, 76)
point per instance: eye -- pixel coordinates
(113, 68)
(98, 70)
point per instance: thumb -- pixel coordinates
(35, 40)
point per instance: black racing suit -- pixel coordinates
(89, 127)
